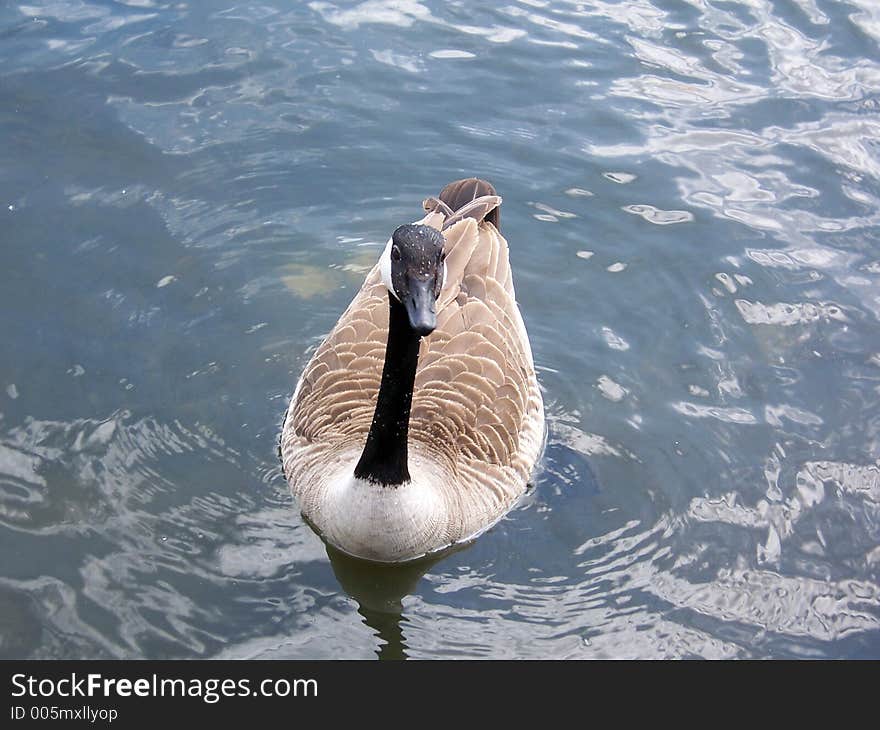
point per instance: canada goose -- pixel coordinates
(417, 422)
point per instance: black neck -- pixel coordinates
(384, 460)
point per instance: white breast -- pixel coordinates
(385, 524)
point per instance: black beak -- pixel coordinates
(421, 307)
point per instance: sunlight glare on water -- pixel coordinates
(191, 194)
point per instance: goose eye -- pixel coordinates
(395, 253)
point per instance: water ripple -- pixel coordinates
(193, 192)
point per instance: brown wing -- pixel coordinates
(476, 403)
(337, 392)
(475, 388)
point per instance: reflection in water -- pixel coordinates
(379, 591)
(189, 199)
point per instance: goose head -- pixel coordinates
(413, 270)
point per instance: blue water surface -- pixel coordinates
(192, 192)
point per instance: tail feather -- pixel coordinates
(466, 194)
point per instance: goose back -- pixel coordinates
(476, 423)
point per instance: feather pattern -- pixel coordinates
(477, 421)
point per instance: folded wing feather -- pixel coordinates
(475, 392)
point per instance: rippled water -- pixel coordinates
(190, 194)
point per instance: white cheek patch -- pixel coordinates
(385, 270)
(443, 282)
